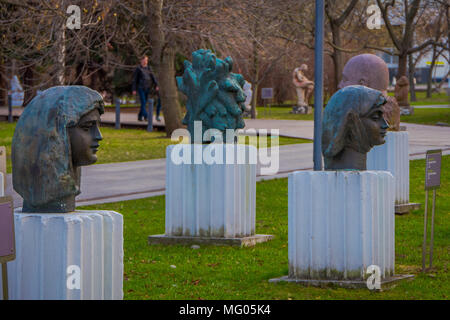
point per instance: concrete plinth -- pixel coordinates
(303, 109)
(187, 241)
(210, 200)
(393, 156)
(2, 185)
(340, 223)
(349, 284)
(56, 252)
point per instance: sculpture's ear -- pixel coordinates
(354, 134)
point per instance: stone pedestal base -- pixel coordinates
(304, 109)
(405, 208)
(240, 242)
(350, 284)
(406, 110)
(69, 256)
(210, 200)
(340, 223)
(393, 156)
(2, 185)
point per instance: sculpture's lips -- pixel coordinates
(383, 133)
(95, 148)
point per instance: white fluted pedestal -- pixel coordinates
(393, 156)
(210, 202)
(2, 185)
(56, 252)
(340, 223)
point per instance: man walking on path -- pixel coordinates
(158, 107)
(144, 82)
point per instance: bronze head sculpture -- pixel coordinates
(371, 71)
(353, 123)
(56, 134)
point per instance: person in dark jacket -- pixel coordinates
(144, 82)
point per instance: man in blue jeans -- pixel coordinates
(144, 82)
(158, 107)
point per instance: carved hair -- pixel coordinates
(342, 118)
(41, 151)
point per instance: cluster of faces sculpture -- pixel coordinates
(58, 131)
(215, 95)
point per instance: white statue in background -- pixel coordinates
(248, 92)
(304, 88)
(16, 92)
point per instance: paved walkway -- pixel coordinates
(140, 179)
(434, 106)
(126, 118)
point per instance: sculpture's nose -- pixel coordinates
(98, 135)
(384, 124)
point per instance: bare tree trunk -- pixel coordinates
(430, 73)
(254, 99)
(411, 71)
(336, 24)
(402, 63)
(337, 56)
(255, 71)
(60, 40)
(28, 85)
(163, 61)
(255, 85)
(3, 84)
(169, 92)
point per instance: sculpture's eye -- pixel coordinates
(376, 116)
(87, 125)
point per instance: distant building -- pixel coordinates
(440, 70)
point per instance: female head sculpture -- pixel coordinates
(353, 123)
(55, 135)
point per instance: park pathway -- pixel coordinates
(113, 182)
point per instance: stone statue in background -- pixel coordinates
(352, 124)
(371, 71)
(56, 134)
(304, 88)
(248, 100)
(215, 95)
(16, 92)
(401, 94)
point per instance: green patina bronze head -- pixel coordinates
(215, 94)
(55, 135)
(353, 123)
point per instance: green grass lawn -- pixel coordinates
(177, 272)
(127, 144)
(420, 116)
(436, 98)
(282, 113)
(428, 116)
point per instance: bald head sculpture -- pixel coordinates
(366, 70)
(371, 71)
